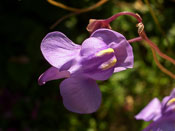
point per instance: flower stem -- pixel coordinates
(161, 67)
(135, 39)
(144, 36)
(75, 11)
(156, 21)
(110, 19)
(58, 4)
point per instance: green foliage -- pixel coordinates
(26, 106)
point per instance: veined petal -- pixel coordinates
(52, 74)
(98, 74)
(58, 50)
(108, 36)
(164, 102)
(80, 94)
(151, 112)
(100, 71)
(124, 55)
(99, 66)
(122, 48)
(91, 46)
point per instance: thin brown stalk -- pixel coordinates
(139, 19)
(58, 4)
(75, 11)
(161, 67)
(156, 21)
(144, 36)
(135, 39)
(61, 19)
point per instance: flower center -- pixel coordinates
(111, 62)
(171, 101)
(104, 52)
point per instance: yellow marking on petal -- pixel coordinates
(171, 101)
(108, 64)
(106, 51)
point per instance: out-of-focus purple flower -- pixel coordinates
(162, 114)
(102, 54)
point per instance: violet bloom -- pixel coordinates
(102, 54)
(162, 114)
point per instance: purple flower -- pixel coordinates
(162, 114)
(102, 54)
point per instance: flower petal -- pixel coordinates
(52, 74)
(164, 102)
(58, 49)
(151, 112)
(80, 94)
(168, 102)
(125, 57)
(163, 124)
(118, 42)
(108, 36)
(172, 93)
(91, 46)
(99, 74)
(99, 67)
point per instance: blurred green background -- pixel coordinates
(25, 106)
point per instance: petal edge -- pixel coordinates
(52, 74)
(80, 95)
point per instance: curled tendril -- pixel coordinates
(140, 27)
(154, 49)
(150, 43)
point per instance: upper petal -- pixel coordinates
(58, 49)
(91, 46)
(80, 94)
(108, 36)
(151, 112)
(52, 74)
(124, 55)
(123, 50)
